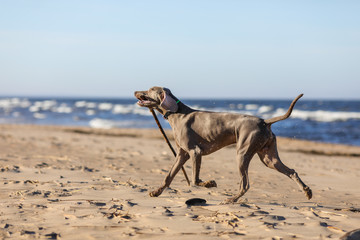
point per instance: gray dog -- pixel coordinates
(199, 133)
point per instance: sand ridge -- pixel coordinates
(82, 183)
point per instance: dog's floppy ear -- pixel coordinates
(168, 102)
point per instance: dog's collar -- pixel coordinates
(168, 113)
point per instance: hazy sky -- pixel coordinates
(197, 48)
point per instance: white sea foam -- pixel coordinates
(105, 106)
(101, 123)
(251, 106)
(48, 104)
(85, 104)
(63, 108)
(39, 115)
(130, 109)
(107, 124)
(34, 108)
(42, 105)
(9, 103)
(265, 109)
(319, 116)
(232, 106)
(90, 105)
(90, 112)
(141, 111)
(123, 109)
(325, 116)
(240, 106)
(80, 104)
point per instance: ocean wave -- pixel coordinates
(17, 107)
(90, 112)
(80, 104)
(267, 111)
(336, 121)
(10, 103)
(105, 106)
(102, 123)
(108, 124)
(251, 107)
(325, 116)
(85, 104)
(317, 116)
(91, 105)
(123, 109)
(141, 111)
(63, 108)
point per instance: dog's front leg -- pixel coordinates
(196, 156)
(181, 158)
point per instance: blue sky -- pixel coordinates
(197, 48)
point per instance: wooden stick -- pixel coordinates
(168, 142)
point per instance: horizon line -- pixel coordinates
(185, 98)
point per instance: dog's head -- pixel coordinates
(158, 98)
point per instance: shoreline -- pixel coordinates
(85, 183)
(287, 144)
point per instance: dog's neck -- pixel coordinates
(182, 110)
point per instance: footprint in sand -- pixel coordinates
(98, 204)
(117, 207)
(273, 218)
(14, 168)
(31, 181)
(168, 212)
(131, 204)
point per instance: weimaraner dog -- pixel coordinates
(199, 133)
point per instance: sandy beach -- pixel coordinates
(81, 183)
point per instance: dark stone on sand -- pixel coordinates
(195, 202)
(52, 235)
(353, 235)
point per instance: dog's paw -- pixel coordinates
(155, 193)
(308, 193)
(228, 201)
(208, 184)
(231, 200)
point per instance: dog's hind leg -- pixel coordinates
(243, 157)
(270, 157)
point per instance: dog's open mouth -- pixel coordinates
(145, 101)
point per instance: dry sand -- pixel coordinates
(81, 183)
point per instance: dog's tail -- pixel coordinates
(286, 115)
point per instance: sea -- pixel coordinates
(331, 121)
